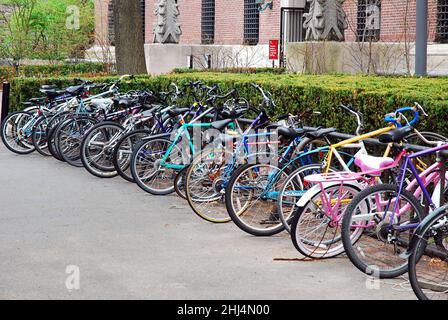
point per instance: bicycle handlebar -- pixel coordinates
(396, 117)
(359, 117)
(114, 85)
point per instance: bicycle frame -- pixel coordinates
(332, 151)
(420, 182)
(417, 187)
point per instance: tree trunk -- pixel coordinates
(129, 42)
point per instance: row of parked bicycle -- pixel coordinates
(232, 162)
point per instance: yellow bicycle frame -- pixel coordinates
(357, 139)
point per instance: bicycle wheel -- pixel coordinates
(147, 169)
(292, 190)
(379, 250)
(179, 183)
(428, 263)
(205, 185)
(16, 132)
(315, 227)
(97, 149)
(123, 152)
(52, 129)
(251, 197)
(69, 136)
(52, 142)
(40, 136)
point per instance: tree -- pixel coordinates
(129, 43)
(16, 37)
(63, 28)
(50, 30)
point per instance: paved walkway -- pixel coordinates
(130, 245)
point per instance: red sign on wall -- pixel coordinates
(273, 50)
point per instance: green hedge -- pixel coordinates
(233, 70)
(374, 96)
(57, 70)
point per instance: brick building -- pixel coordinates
(239, 22)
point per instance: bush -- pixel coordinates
(57, 70)
(374, 96)
(234, 70)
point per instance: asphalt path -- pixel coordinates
(65, 234)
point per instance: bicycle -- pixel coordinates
(380, 221)
(211, 171)
(252, 204)
(157, 159)
(428, 258)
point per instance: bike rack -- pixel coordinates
(5, 101)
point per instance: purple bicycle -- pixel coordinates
(380, 221)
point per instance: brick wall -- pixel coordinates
(229, 20)
(270, 23)
(397, 19)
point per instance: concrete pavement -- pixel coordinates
(130, 245)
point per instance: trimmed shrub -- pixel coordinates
(234, 70)
(83, 69)
(374, 96)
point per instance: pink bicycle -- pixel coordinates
(316, 227)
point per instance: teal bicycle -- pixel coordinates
(156, 161)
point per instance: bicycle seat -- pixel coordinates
(126, 102)
(373, 165)
(233, 114)
(74, 89)
(290, 133)
(396, 135)
(37, 100)
(149, 110)
(147, 113)
(49, 87)
(177, 111)
(320, 133)
(51, 93)
(99, 104)
(220, 125)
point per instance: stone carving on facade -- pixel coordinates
(326, 20)
(373, 16)
(166, 28)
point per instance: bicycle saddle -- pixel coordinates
(49, 87)
(37, 100)
(220, 125)
(396, 135)
(149, 110)
(125, 102)
(98, 104)
(290, 133)
(52, 93)
(233, 113)
(372, 164)
(74, 89)
(320, 133)
(177, 111)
